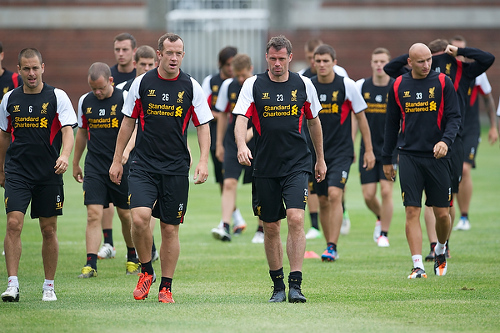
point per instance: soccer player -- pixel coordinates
(338, 96)
(226, 149)
(423, 107)
(211, 86)
(144, 60)
(124, 46)
(312, 202)
(8, 79)
(374, 91)
(277, 102)
(163, 100)
(39, 119)
(471, 135)
(99, 118)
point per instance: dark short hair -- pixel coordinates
(171, 37)
(279, 42)
(98, 69)
(145, 51)
(312, 44)
(380, 50)
(438, 45)
(226, 53)
(29, 52)
(458, 38)
(124, 36)
(241, 61)
(325, 49)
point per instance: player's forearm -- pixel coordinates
(67, 141)
(221, 128)
(364, 128)
(240, 130)
(126, 129)
(80, 143)
(203, 132)
(489, 104)
(4, 144)
(316, 133)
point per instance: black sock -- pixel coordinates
(108, 236)
(384, 233)
(448, 244)
(153, 249)
(465, 215)
(378, 217)
(295, 279)
(226, 227)
(166, 282)
(314, 220)
(433, 245)
(332, 244)
(131, 254)
(92, 260)
(260, 228)
(147, 267)
(277, 277)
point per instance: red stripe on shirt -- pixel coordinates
(442, 78)
(55, 128)
(190, 113)
(458, 77)
(15, 80)
(252, 113)
(344, 111)
(473, 95)
(137, 112)
(396, 96)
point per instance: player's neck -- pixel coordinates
(325, 79)
(381, 81)
(127, 68)
(1, 70)
(36, 90)
(280, 78)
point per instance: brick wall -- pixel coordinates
(68, 54)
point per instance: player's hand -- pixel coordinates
(320, 171)
(440, 150)
(245, 156)
(77, 173)
(451, 50)
(201, 173)
(368, 160)
(116, 172)
(61, 165)
(492, 135)
(389, 172)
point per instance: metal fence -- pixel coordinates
(207, 26)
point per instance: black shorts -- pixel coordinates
(232, 168)
(336, 175)
(217, 168)
(166, 195)
(471, 143)
(417, 174)
(46, 200)
(457, 163)
(374, 175)
(270, 196)
(100, 190)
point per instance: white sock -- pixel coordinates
(48, 284)
(417, 261)
(237, 215)
(13, 282)
(440, 248)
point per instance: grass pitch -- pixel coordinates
(224, 287)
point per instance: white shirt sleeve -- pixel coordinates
(354, 95)
(223, 97)
(4, 121)
(132, 96)
(484, 84)
(80, 110)
(206, 86)
(312, 96)
(200, 104)
(359, 85)
(65, 111)
(245, 98)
